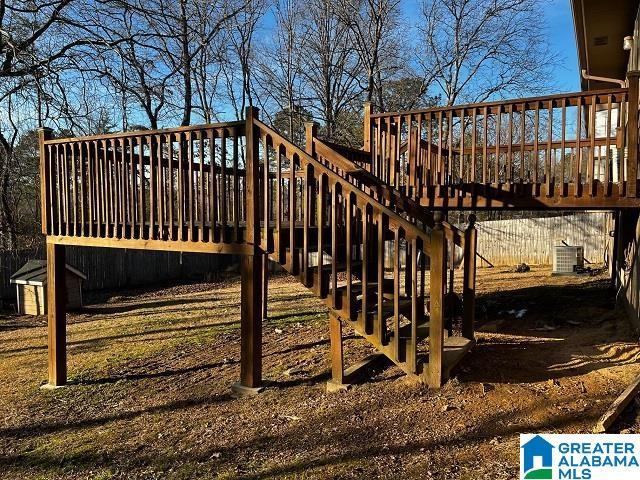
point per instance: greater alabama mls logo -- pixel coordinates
(536, 459)
(580, 457)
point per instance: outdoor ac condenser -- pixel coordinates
(567, 259)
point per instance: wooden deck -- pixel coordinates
(241, 188)
(567, 151)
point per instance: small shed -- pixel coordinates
(31, 287)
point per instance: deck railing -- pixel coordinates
(182, 184)
(570, 144)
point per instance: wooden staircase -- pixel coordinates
(383, 267)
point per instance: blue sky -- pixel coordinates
(563, 41)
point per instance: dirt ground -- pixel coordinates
(150, 373)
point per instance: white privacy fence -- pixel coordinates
(531, 240)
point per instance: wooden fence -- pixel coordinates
(108, 268)
(531, 240)
(501, 242)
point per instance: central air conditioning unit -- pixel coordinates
(567, 260)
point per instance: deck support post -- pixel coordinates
(251, 267)
(337, 355)
(250, 326)
(469, 279)
(57, 315)
(633, 79)
(436, 310)
(265, 284)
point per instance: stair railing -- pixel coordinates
(354, 234)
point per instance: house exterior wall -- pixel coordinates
(627, 276)
(627, 273)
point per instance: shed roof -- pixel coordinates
(34, 272)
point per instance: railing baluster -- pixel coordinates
(214, 235)
(412, 350)
(380, 321)
(265, 193)
(278, 200)
(142, 218)
(108, 160)
(523, 124)
(236, 188)
(485, 145)
(411, 157)
(83, 180)
(349, 247)
(563, 147)
(578, 160)
(509, 171)
(607, 167)
(377, 161)
(160, 188)
(292, 214)
(308, 179)
(199, 186)
(191, 186)
(334, 243)
(474, 142)
(62, 187)
(440, 161)
(429, 164)
(223, 186)
(450, 155)
(320, 216)
(498, 142)
(536, 151)
(152, 187)
(100, 190)
(548, 157)
(462, 146)
(396, 293)
(74, 196)
(421, 168)
(591, 173)
(365, 268)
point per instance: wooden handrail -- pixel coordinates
(384, 191)
(142, 133)
(529, 102)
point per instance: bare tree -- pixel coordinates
(237, 69)
(475, 49)
(37, 40)
(374, 31)
(331, 67)
(278, 71)
(162, 52)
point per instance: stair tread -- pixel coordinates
(404, 305)
(455, 348)
(356, 287)
(340, 266)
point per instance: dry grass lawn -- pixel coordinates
(150, 373)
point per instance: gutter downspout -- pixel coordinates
(586, 76)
